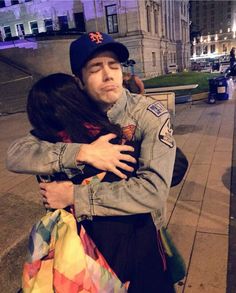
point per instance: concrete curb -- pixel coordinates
(200, 96)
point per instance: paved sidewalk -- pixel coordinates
(198, 208)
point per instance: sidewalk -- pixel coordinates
(198, 208)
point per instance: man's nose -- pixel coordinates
(107, 73)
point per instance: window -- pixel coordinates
(111, 17)
(2, 3)
(14, 2)
(63, 23)
(7, 31)
(148, 18)
(154, 63)
(205, 49)
(20, 29)
(34, 27)
(156, 21)
(224, 48)
(198, 51)
(48, 25)
(79, 21)
(213, 48)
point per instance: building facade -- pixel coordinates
(156, 32)
(213, 26)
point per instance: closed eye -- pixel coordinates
(95, 68)
(114, 65)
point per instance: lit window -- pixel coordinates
(228, 29)
(48, 25)
(111, 17)
(34, 27)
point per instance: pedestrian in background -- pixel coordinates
(133, 83)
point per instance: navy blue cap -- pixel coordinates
(82, 49)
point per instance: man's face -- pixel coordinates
(102, 78)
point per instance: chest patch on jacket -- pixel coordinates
(157, 109)
(128, 132)
(165, 134)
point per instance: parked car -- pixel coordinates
(172, 68)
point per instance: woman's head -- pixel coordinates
(56, 103)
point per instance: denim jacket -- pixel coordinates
(145, 121)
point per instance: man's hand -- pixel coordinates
(57, 195)
(105, 156)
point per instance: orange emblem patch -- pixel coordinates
(96, 37)
(128, 132)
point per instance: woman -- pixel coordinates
(59, 111)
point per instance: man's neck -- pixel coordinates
(106, 108)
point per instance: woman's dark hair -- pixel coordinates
(56, 103)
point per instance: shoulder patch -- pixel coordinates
(157, 109)
(165, 134)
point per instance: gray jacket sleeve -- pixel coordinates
(32, 156)
(146, 193)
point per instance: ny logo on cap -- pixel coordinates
(96, 37)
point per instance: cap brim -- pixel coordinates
(119, 50)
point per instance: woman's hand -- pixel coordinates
(106, 156)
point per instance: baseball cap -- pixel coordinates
(82, 49)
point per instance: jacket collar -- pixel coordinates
(117, 111)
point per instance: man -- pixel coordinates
(95, 61)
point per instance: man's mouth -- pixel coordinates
(110, 87)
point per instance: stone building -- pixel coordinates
(155, 31)
(213, 25)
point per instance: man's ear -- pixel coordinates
(80, 82)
